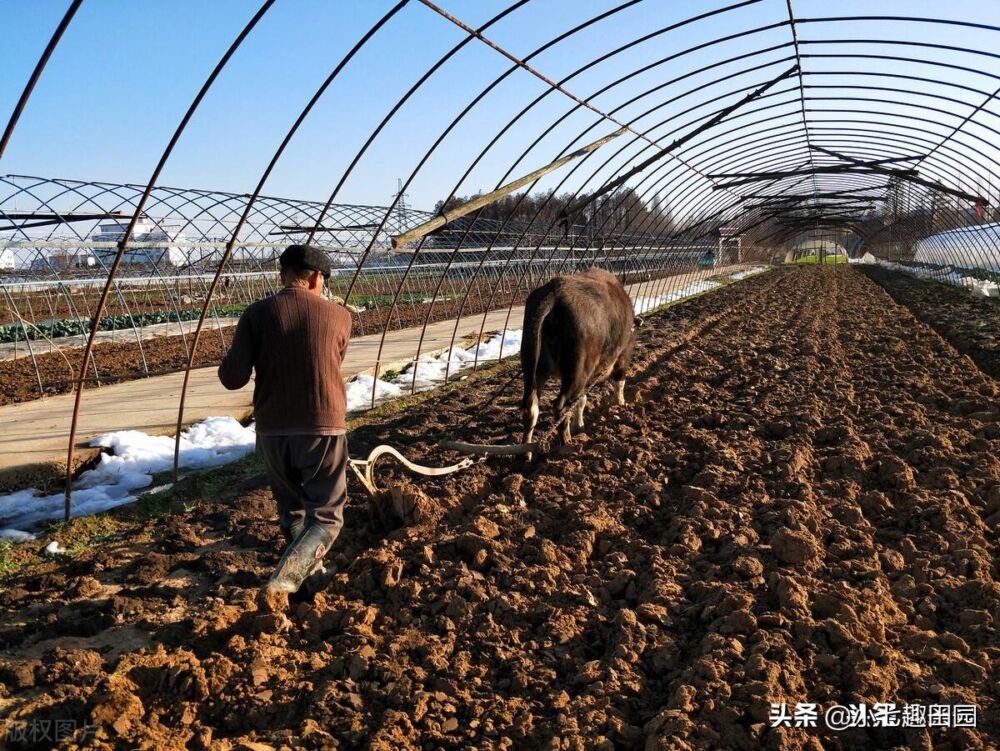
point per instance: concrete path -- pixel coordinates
(33, 435)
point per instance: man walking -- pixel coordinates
(296, 340)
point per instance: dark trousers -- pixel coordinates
(308, 477)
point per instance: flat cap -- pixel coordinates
(306, 257)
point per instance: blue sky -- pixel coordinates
(127, 69)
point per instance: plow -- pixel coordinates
(390, 505)
(364, 469)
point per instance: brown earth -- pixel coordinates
(971, 324)
(115, 362)
(799, 504)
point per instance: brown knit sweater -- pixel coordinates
(296, 341)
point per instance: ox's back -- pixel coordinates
(597, 307)
(575, 325)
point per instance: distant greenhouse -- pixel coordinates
(967, 248)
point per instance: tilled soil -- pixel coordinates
(115, 362)
(971, 324)
(799, 504)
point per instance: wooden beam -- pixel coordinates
(485, 200)
(910, 176)
(823, 167)
(833, 169)
(712, 121)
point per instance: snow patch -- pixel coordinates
(738, 275)
(646, 304)
(137, 456)
(359, 392)
(429, 371)
(16, 535)
(948, 275)
(54, 548)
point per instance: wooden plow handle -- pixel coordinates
(485, 449)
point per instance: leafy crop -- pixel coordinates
(15, 332)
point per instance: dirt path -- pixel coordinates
(799, 505)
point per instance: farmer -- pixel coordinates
(296, 340)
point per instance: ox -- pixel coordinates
(583, 328)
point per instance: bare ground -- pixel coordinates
(800, 503)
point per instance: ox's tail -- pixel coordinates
(535, 312)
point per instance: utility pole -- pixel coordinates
(401, 207)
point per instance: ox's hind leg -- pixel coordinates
(581, 406)
(618, 376)
(532, 391)
(571, 398)
(530, 416)
(566, 421)
(530, 419)
(573, 370)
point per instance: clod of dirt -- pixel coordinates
(18, 674)
(794, 547)
(116, 707)
(270, 602)
(403, 503)
(748, 566)
(252, 746)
